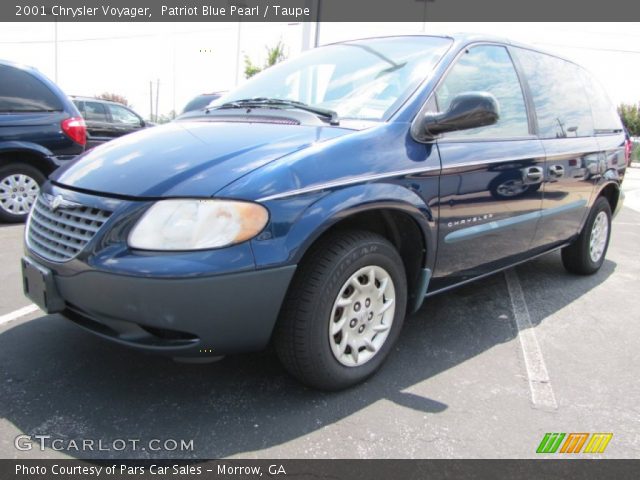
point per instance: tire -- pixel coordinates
(302, 337)
(534, 187)
(577, 258)
(15, 205)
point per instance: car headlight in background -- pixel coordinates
(193, 224)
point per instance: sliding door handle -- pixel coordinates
(556, 171)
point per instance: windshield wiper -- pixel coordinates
(262, 102)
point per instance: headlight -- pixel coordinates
(191, 224)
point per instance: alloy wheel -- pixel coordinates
(599, 235)
(18, 193)
(362, 316)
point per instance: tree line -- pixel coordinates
(630, 115)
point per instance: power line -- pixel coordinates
(100, 39)
(127, 37)
(598, 32)
(581, 47)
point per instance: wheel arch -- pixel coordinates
(610, 191)
(31, 154)
(391, 210)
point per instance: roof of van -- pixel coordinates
(95, 99)
(21, 66)
(463, 38)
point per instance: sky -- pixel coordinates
(192, 58)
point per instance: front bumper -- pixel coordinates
(184, 317)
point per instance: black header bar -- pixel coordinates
(317, 10)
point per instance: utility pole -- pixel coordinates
(307, 26)
(55, 52)
(306, 36)
(316, 42)
(173, 67)
(157, 96)
(238, 51)
(424, 17)
(151, 100)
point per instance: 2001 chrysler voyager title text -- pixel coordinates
(320, 202)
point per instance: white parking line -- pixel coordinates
(541, 392)
(21, 312)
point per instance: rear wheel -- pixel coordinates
(587, 253)
(344, 310)
(19, 188)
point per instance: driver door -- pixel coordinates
(490, 195)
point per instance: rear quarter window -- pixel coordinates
(605, 115)
(559, 95)
(20, 91)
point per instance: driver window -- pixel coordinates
(122, 115)
(487, 68)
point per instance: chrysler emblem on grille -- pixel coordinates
(57, 202)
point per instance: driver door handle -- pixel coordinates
(533, 174)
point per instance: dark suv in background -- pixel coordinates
(40, 129)
(107, 120)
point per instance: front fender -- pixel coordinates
(291, 234)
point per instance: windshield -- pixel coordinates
(363, 80)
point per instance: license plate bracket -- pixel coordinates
(39, 286)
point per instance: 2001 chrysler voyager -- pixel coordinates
(319, 203)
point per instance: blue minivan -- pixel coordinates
(40, 130)
(319, 203)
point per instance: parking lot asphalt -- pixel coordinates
(483, 371)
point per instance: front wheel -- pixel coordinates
(586, 254)
(19, 188)
(344, 310)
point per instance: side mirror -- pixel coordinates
(467, 110)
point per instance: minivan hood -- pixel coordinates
(186, 159)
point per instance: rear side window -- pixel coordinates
(487, 68)
(559, 95)
(605, 115)
(95, 112)
(22, 92)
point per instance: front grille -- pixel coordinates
(60, 234)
